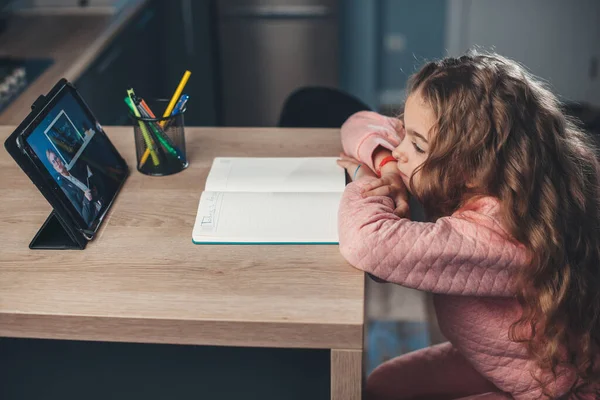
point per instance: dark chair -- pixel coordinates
(318, 107)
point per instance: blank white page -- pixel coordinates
(293, 174)
(241, 217)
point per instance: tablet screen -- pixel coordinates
(74, 150)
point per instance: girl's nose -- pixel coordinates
(399, 155)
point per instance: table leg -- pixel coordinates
(346, 374)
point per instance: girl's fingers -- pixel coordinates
(343, 162)
(401, 197)
(380, 191)
(402, 209)
(372, 185)
(349, 166)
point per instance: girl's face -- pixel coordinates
(414, 148)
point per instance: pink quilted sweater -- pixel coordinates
(467, 260)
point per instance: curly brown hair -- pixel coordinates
(500, 132)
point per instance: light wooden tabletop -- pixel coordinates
(142, 279)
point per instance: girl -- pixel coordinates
(512, 252)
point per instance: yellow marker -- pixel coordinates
(145, 134)
(175, 97)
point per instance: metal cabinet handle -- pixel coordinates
(278, 12)
(188, 26)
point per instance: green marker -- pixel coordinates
(145, 134)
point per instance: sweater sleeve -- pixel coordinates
(364, 131)
(465, 254)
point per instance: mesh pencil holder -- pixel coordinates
(159, 142)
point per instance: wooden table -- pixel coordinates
(142, 279)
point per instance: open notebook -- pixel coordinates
(270, 200)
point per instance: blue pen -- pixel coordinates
(180, 104)
(177, 109)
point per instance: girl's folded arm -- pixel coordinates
(452, 256)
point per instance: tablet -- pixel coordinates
(68, 156)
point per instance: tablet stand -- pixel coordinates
(56, 234)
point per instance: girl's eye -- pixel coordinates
(417, 148)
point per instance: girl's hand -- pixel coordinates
(390, 184)
(351, 166)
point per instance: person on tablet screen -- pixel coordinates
(81, 184)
